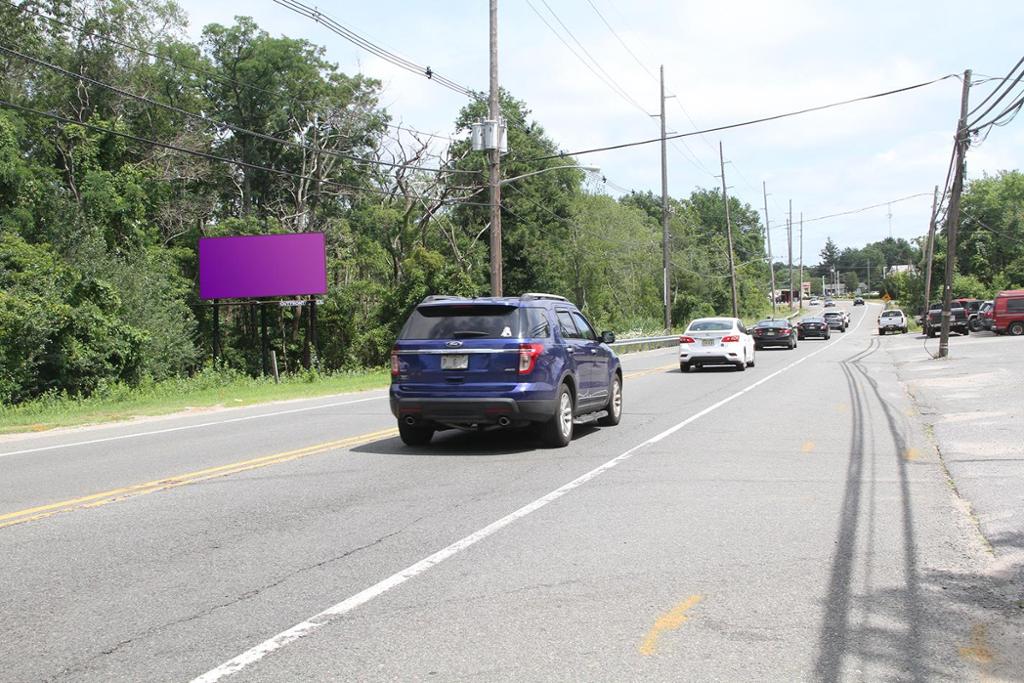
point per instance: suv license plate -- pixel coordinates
(454, 361)
(707, 342)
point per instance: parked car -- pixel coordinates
(774, 333)
(813, 326)
(1008, 312)
(892, 320)
(858, 301)
(985, 315)
(716, 341)
(485, 363)
(958, 321)
(836, 320)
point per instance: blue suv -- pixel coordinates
(506, 362)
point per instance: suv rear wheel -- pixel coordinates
(1016, 329)
(557, 432)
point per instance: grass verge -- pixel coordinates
(206, 389)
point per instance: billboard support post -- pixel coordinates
(316, 334)
(264, 339)
(216, 331)
(309, 333)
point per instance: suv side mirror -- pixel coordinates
(607, 337)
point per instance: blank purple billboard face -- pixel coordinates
(249, 266)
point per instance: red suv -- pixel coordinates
(1008, 312)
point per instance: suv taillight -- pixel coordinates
(394, 363)
(730, 338)
(528, 354)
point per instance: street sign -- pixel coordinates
(289, 303)
(886, 298)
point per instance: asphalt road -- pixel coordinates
(790, 522)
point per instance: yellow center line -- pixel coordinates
(668, 622)
(105, 497)
(651, 371)
(808, 447)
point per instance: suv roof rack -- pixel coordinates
(542, 295)
(440, 297)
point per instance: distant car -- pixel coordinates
(774, 333)
(716, 341)
(829, 303)
(814, 302)
(836, 320)
(813, 326)
(858, 301)
(892, 320)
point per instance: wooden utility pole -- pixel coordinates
(800, 283)
(789, 235)
(666, 296)
(768, 236)
(930, 254)
(953, 215)
(494, 106)
(728, 230)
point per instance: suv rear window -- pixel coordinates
(892, 314)
(462, 321)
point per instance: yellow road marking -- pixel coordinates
(668, 622)
(978, 651)
(911, 454)
(104, 497)
(807, 447)
(651, 371)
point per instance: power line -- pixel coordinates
(863, 208)
(621, 41)
(997, 88)
(208, 73)
(215, 123)
(335, 27)
(211, 157)
(604, 77)
(747, 123)
(995, 103)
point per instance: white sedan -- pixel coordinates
(716, 341)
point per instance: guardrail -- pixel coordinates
(644, 343)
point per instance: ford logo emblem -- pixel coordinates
(453, 344)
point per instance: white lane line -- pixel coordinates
(325, 617)
(184, 427)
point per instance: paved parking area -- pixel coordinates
(974, 402)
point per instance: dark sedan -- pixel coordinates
(774, 333)
(813, 327)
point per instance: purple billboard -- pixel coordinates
(248, 266)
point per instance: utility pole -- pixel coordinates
(768, 236)
(801, 282)
(494, 106)
(664, 213)
(867, 276)
(953, 215)
(728, 230)
(931, 253)
(789, 234)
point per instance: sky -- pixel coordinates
(725, 62)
